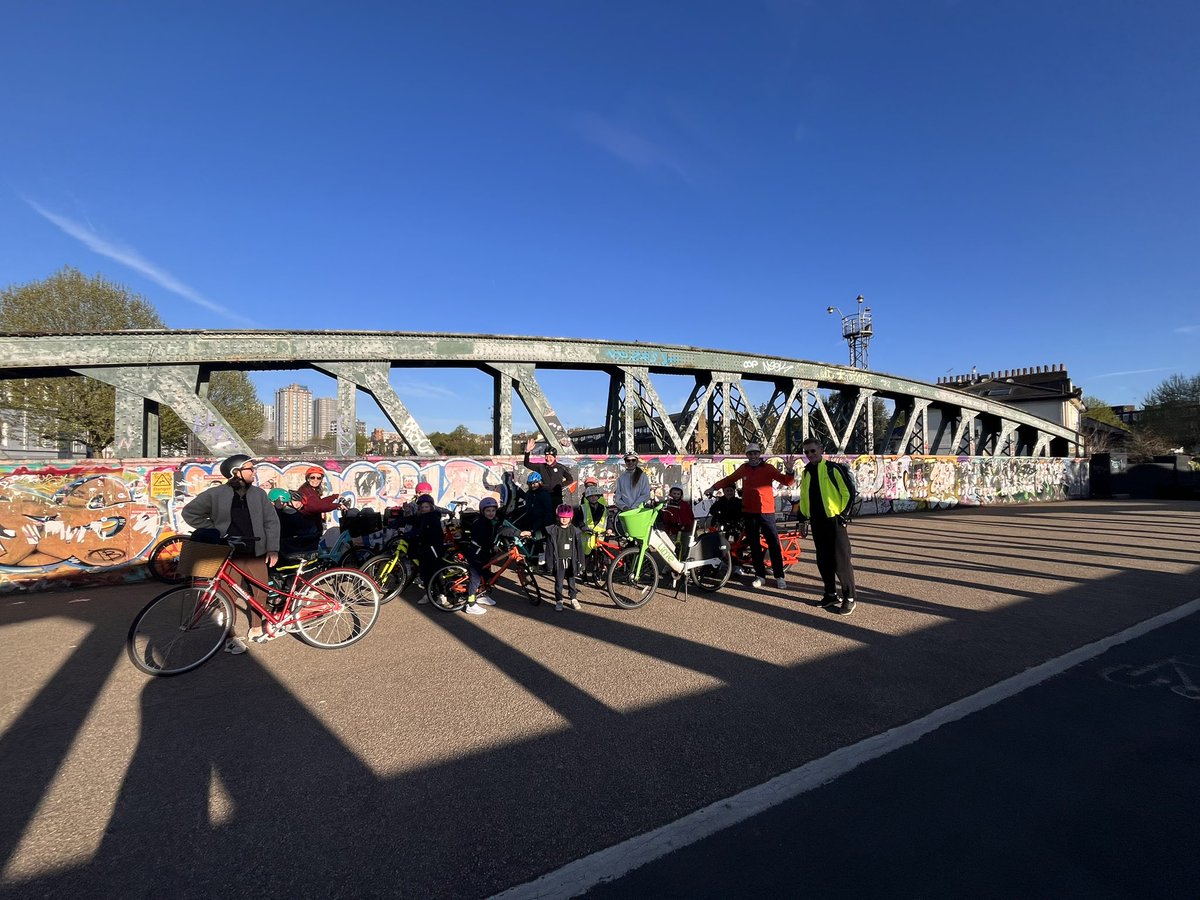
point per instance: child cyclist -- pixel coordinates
(481, 547)
(677, 517)
(427, 540)
(592, 518)
(564, 554)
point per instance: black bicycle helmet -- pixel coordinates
(231, 464)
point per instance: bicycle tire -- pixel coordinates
(712, 577)
(344, 615)
(163, 561)
(627, 591)
(447, 588)
(179, 630)
(391, 574)
(529, 584)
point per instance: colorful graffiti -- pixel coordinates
(95, 522)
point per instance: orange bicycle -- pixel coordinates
(447, 589)
(185, 627)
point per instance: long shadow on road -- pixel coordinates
(237, 786)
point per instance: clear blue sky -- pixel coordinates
(1009, 184)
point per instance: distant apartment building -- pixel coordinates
(293, 416)
(324, 416)
(268, 429)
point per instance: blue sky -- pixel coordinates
(1008, 184)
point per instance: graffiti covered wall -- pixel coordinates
(95, 521)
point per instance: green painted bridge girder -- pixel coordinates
(157, 365)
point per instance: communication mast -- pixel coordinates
(856, 330)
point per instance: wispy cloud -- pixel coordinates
(1187, 329)
(130, 258)
(406, 389)
(1132, 372)
(627, 145)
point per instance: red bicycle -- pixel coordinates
(185, 627)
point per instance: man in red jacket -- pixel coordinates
(758, 506)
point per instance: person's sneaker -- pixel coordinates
(474, 609)
(235, 646)
(757, 582)
(781, 583)
(829, 600)
(485, 600)
(846, 608)
(558, 606)
(741, 570)
(575, 604)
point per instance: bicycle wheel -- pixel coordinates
(163, 561)
(712, 577)
(529, 584)
(627, 590)
(346, 608)
(447, 589)
(179, 630)
(390, 573)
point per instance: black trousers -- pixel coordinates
(833, 555)
(564, 570)
(764, 524)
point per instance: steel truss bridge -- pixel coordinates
(153, 369)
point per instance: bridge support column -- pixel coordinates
(372, 377)
(502, 439)
(176, 386)
(136, 427)
(346, 428)
(530, 392)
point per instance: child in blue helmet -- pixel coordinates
(539, 508)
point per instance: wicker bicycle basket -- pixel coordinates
(200, 560)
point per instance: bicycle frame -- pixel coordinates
(662, 545)
(288, 614)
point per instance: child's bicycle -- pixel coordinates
(596, 563)
(184, 627)
(392, 570)
(634, 574)
(447, 588)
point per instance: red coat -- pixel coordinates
(758, 494)
(315, 506)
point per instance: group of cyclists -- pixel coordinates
(290, 523)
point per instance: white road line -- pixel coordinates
(605, 865)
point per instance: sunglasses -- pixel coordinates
(246, 469)
(315, 477)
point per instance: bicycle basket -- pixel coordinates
(639, 521)
(200, 560)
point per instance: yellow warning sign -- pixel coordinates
(162, 484)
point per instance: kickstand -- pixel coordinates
(681, 577)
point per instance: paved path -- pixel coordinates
(456, 756)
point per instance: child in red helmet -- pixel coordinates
(564, 553)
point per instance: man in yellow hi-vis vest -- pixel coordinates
(826, 492)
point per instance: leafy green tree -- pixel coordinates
(81, 409)
(1100, 411)
(1172, 411)
(459, 442)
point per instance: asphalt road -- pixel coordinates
(456, 756)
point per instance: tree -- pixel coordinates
(1100, 411)
(81, 409)
(1172, 411)
(459, 442)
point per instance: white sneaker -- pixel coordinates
(474, 609)
(781, 582)
(575, 604)
(485, 600)
(235, 646)
(758, 582)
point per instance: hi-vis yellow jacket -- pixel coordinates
(835, 493)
